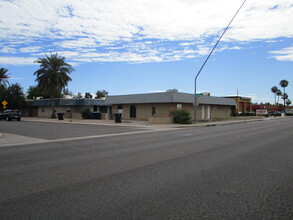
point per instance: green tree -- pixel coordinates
(4, 76)
(13, 95)
(36, 91)
(285, 97)
(284, 83)
(101, 94)
(53, 75)
(78, 96)
(274, 89)
(67, 92)
(288, 102)
(88, 95)
(278, 93)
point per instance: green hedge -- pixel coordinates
(86, 113)
(181, 116)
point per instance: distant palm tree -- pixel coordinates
(278, 93)
(53, 75)
(4, 76)
(274, 89)
(284, 83)
(285, 96)
(288, 102)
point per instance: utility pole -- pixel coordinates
(195, 79)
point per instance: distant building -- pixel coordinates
(243, 104)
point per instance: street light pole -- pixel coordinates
(195, 79)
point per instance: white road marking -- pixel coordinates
(16, 140)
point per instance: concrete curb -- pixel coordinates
(145, 126)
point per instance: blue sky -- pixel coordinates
(142, 46)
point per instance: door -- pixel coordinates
(132, 111)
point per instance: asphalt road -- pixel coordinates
(240, 171)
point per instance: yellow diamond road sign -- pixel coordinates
(4, 103)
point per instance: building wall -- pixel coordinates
(46, 111)
(144, 111)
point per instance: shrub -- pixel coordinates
(181, 116)
(86, 113)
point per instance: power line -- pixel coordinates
(195, 100)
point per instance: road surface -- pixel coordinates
(239, 171)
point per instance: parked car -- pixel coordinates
(9, 114)
(274, 113)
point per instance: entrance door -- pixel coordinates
(132, 111)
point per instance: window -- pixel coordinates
(103, 109)
(132, 111)
(153, 110)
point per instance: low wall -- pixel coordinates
(72, 115)
(161, 120)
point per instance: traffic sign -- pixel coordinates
(4, 103)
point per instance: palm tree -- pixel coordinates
(53, 75)
(278, 93)
(4, 76)
(274, 89)
(288, 102)
(284, 83)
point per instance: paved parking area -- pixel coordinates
(51, 131)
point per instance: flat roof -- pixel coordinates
(167, 97)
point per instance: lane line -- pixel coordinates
(41, 141)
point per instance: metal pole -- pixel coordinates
(195, 96)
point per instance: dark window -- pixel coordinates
(103, 109)
(132, 111)
(95, 108)
(154, 110)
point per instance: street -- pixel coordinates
(67, 171)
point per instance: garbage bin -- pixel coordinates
(118, 117)
(96, 115)
(60, 116)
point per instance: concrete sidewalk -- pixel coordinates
(146, 124)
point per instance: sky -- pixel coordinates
(144, 46)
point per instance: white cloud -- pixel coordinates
(285, 54)
(17, 60)
(30, 49)
(146, 30)
(7, 50)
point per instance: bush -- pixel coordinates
(181, 116)
(86, 113)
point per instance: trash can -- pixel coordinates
(118, 117)
(60, 116)
(96, 115)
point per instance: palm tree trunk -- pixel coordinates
(284, 100)
(275, 98)
(53, 106)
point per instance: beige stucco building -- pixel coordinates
(153, 107)
(144, 106)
